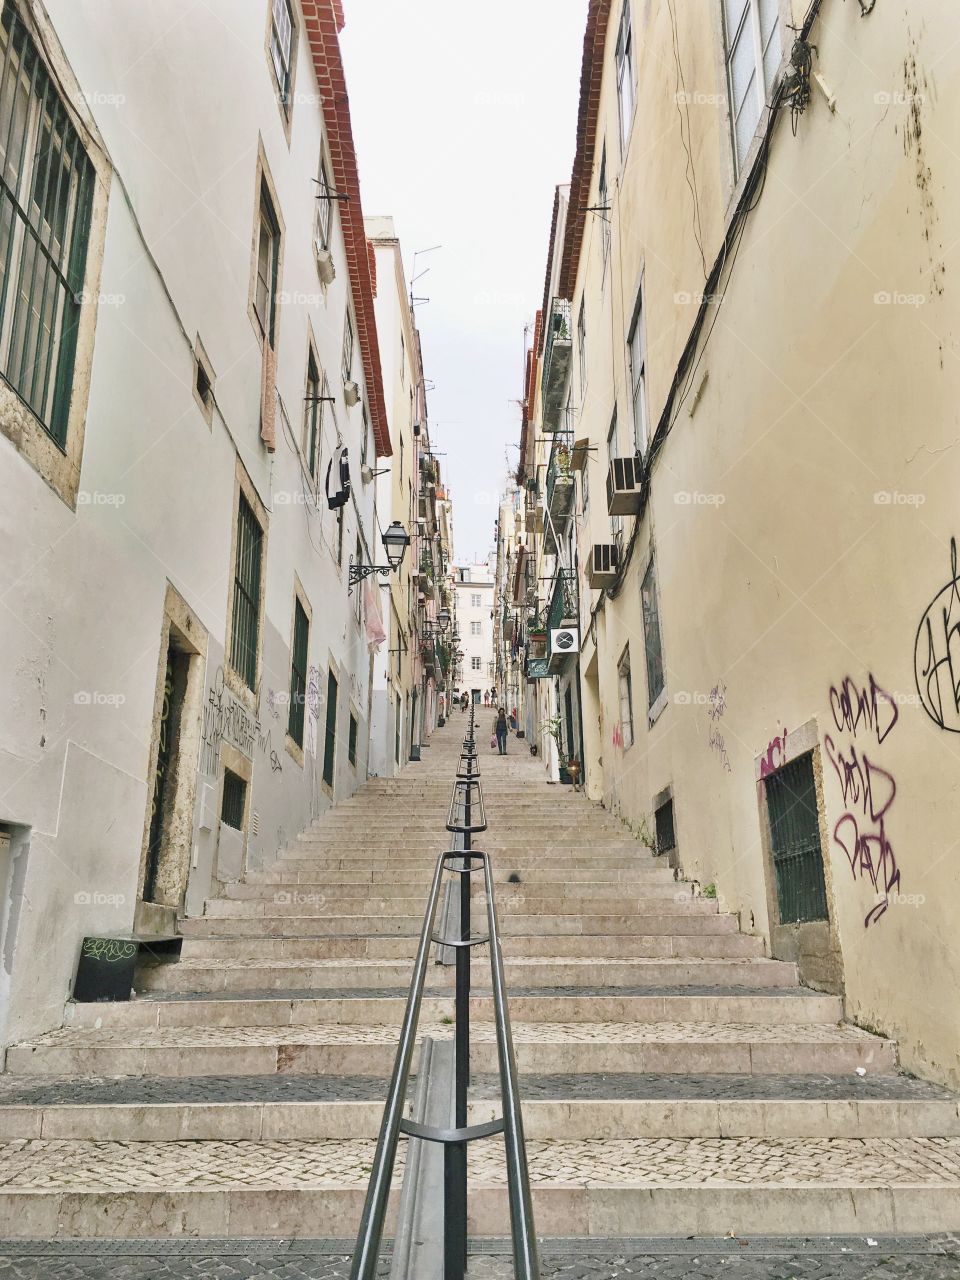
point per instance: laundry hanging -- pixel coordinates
(338, 479)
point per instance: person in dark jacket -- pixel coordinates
(501, 731)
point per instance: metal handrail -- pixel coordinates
(525, 1257)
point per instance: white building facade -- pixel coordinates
(475, 596)
(187, 671)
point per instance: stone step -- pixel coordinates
(290, 902)
(665, 946)
(676, 1048)
(420, 874)
(506, 893)
(425, 860)
(616, 1187)
(697, 921)
(255, 1121)
(386, 1007)
(546, 971)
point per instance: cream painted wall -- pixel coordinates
(803, 507)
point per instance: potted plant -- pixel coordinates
(563, 460)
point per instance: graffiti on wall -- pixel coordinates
(716, 710)
(226, 719)
(936, 653)
(775, 756)
(866, 715)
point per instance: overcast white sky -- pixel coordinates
(464, 117)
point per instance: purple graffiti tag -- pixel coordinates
(870, 707)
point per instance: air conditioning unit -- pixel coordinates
(325, 268)
(623, 486)
(564, 642)
(603, 566)
(351, 393)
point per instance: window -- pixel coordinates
(352, 741)
(638, 374)
(46, 195)
(245, 632)
(365, 439)
(476, 600)
(313, 415)
(330, 734)
(403, 360)
(401, 460)
(626, 84)
(298, 673)
(234, 802)
(651, 636)
(348, 349)
(626, 699)
(581, 348)
(281, 47)
(358, 554)
(268, 257)
(340, 524)
(585, 484)
(474, 664)
(665, 831)
(752, 31)
(603, 202)
(203, 380)
(613, 451)
(795, 842)
(398, 714)
(324, 207)
(475, 629)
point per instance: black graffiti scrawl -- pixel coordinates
(936, 656)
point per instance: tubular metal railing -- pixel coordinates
(466, 819)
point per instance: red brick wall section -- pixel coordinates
(323, 21)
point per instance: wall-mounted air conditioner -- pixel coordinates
(325, 268)
(603, 565)
(351, 393)
(623, 486)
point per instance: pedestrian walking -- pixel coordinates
(501, 731)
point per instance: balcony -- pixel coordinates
(557, 352)
(564, 606)
(560, 494)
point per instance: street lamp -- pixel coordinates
(443, 620)
(395, 543)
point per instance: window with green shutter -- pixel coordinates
(298, 673)
(46, 196)
(795, 842)
(245, 634)
(330, 737)
(234, 801)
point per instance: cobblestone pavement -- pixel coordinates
(828, 1258)
(482, 1033)
(60, 1090)
(70, 1165)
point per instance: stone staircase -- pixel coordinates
(676, 1080)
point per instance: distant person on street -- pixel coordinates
(501, 731)
(463, 703)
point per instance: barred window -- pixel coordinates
(46, 196)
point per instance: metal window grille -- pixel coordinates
(795, 842)
(46, 196)
(330, 747)
(234, 800)
(298, 673)
(281, 46)
(245, 633)
(651, 636)
(666, 834)
(352, 741)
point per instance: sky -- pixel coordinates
(464, 119)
